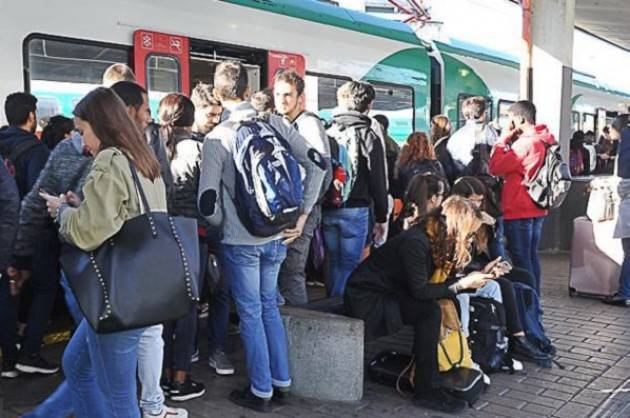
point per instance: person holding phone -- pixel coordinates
(501, 270)
(391, 288)
(101, 368)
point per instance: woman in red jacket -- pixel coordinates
(516, 158)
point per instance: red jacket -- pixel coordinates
(517, 161)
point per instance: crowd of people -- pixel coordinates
(445, 217)
(588, 156)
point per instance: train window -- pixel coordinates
(397, 104)
(575, 121)
(321, 93)
(588, 122)
(59, 71)
(162, 78)
(461, 120)
(503, 118)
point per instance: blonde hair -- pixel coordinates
(462, 219)
(117, 72)
(440, 127)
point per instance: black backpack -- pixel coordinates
(488, 335)
(11, 158)
(451, 168)
(550, 185)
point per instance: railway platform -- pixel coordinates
(593, 342)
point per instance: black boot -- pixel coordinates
(247, 399)
(522, 349)
(439, 400)
(618, 300)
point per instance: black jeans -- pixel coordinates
(425, 317)
(8, 324)
(179, 336)
(44, 283)
(513, 321)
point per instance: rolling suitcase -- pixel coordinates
(595, 258)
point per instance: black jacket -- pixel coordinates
(370, 186)
(402, 265)
(30, 163)
(9, 215)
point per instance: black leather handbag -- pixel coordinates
(144, 275)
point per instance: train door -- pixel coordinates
(261, 64)
(161, 63)
(167, 63)
(436, 87)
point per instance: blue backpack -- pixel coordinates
(531, 315)
(268, 179)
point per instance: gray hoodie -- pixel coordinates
(217, 183)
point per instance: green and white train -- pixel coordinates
(59, 51)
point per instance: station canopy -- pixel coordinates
(607, 19)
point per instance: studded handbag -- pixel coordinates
(144, 275)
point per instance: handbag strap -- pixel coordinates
(136, 181)
(461, 351)
(143, 198)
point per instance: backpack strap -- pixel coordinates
(20, 149)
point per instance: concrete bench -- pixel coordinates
(325, 354)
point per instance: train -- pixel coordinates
(59, 50)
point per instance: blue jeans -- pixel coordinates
(150, 357)
(252, 272)
(496, 247)
(59, 403)
(345, 231)
(100, 370)
(523, 236)
(624, 279)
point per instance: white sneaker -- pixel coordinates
(168, 412)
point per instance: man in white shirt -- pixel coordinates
(476, 131)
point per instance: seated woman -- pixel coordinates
(424, 193)
(476, 191)
(391, 288)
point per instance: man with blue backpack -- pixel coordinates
(359, 183)
(251, 186)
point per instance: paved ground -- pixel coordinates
(593, 342)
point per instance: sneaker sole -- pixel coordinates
(183, 398)
(221, 372)
(9, 375)
(32, 370)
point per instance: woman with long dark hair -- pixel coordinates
(416, 157)
(476, 191)
(177, 116)
(101, 368)
(424, 193)
(397, 285)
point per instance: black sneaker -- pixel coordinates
(280, 395)
(36, 364)
(186, 391)
(522, 349)
(165, 384)
(247, 399)
(439, 400)
(618, 301)
(9, 371)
